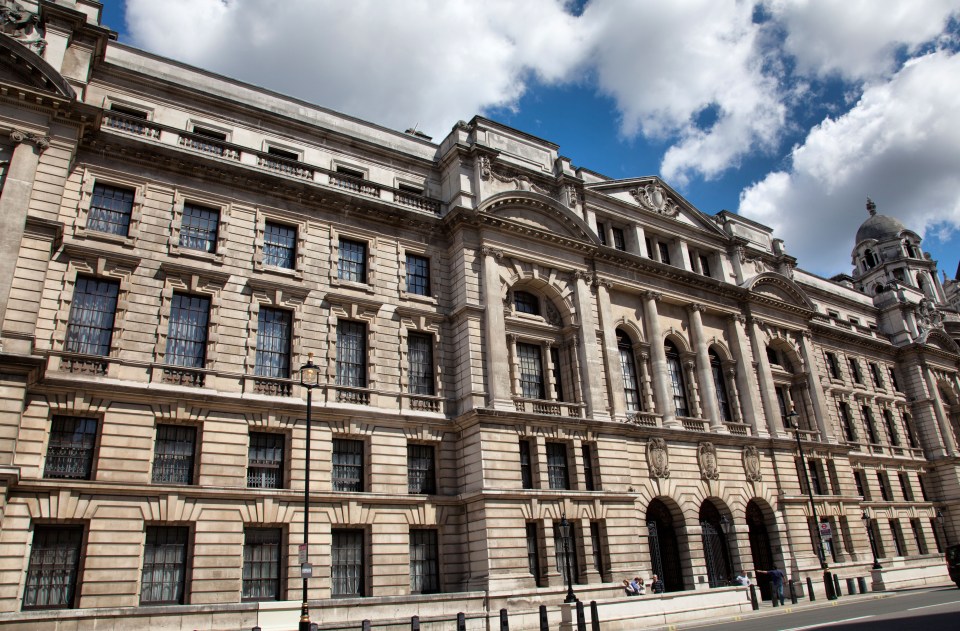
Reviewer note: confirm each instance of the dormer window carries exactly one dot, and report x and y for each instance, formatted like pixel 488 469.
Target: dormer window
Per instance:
pixel 525 302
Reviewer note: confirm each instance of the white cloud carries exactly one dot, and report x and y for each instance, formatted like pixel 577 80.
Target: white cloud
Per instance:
pixel 900 144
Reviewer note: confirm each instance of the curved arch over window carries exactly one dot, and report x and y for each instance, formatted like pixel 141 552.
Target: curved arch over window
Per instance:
pixel 525 302
pixel 664 551
pixel 678 387
pixel 720 385
pixel 628 365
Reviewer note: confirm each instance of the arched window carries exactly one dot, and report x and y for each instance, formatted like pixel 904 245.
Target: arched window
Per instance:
pixel 676 379
pixel 720 385
pixel 525 302
pixel 631 386
pixel 870 258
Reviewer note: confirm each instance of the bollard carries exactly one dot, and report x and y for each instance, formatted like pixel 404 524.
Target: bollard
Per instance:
pixel 504 621
pixel 544 621
pixel 813 596
pixel 851 586
pixel 415 623
pixel 314 626
pixel 793 593
pixel 862 584
pixel 461 622
pixel 753 597
pixel 365 625
pixel 594 616
pixel 836 586
pixel 581 618
pixel 828 585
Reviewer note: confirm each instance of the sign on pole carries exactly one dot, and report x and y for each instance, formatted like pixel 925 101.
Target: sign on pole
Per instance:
pixel 302 553
pixel 306 570
pixel 825 531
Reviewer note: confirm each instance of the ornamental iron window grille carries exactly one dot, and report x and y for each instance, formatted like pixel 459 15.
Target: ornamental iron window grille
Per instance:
pixel 70 448
pixel 92 313
pixel 164 565
pixel 526 466
pixel 628 366
pixel 52 571
pixel 174 454
pixel 351 354
pixel 347 465
pixel 525 302
pixel 531 371
pixel 110 209
pixel 533 553
pixel 420 362
pixel 418 275
pixel 265 460
pixel 352 265
pixel 273 343
pixel 421 469
pixel 198 228
pixel 347 563
pixel 187 337
pixel 676 380
pixel 279 245
pixel 261 564
pixel 424 562
pixel 557 466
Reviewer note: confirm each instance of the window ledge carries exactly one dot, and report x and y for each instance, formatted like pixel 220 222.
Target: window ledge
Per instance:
pixel 213 257
pixel 83 233
pixel 350 284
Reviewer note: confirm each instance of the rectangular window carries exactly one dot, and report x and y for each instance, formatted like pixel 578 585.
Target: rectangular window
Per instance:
pixel 801 475
pixel 279 245
pixel 602 233
pixel 198 230
pixel 936 536
pixel 911 435
pixel 871 426
pixel 173 454
pixel 533 552
pixel 187 336
pixel 531 371
pixel 90 326
pixel 705 265
pixel 346 558
pixel 556 372
pixel 905 487
pixel 648 246
pixel 861 482
pixel 283 153
pixel 664 253
pixel 265 460
pixel 559 556
pixel 922 483
pixel 917 528
pixel 347 465
pixel 898 540
pixel 351 354
pixel 164 565
pixel 884 487
pixel 526 466
pixel 424 562
pixel 352 265
pixel 70 448
pixel 261 564
pixel 891 427
pixel 846 422
pixel 618 241
pixel 420 361
pixel 557 466
pixel 54 564
pixel 588 470
pixel 834 365
pixel 421 469
pixel 855 370
pixel 815 480
pixel 273 343
pixel 110 209
pixel 418 275
pixel 342 170
pixel 893 379
pixel 875 373
pixel 597 542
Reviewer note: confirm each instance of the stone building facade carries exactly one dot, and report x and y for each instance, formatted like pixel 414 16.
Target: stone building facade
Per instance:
pixel 504 340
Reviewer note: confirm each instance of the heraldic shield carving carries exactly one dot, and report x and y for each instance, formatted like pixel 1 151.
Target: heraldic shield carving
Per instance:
pixel 751 463
pixel 658 459
pixel 707 456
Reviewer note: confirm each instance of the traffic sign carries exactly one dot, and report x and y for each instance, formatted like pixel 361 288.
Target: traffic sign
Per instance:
pixel 302 553
pixel 306 570
pixel 825 531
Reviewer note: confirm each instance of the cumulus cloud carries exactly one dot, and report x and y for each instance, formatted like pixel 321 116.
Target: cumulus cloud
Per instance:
pixel 900 144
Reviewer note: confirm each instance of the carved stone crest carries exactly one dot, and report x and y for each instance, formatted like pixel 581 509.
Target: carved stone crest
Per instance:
pixel 653 197
pixel 707 457
pixel 751 463
pixel 658 459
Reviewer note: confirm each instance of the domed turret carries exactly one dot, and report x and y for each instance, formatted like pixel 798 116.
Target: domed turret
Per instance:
pixel 878 227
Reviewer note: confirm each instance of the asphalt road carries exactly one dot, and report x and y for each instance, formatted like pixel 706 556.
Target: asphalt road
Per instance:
pixel 935 609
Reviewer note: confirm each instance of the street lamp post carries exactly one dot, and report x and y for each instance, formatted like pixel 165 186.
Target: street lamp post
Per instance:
pixel 943 530
pixel 873 544
pixel 791 419
pixel 725 525
pixel 309 379
pixel 565 536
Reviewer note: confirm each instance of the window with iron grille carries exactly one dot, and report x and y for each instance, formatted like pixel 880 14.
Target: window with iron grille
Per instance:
pixel 589 472
pixel 834 365
pixel 351 354
pixel 560 553
pixel 54 563
pixel 424 564
pixel 597 542
pixel 531 371
pixel 164 565
pixel 871 426
pixel 526 466
pixel 875 373
pixel 557 466
pixel 918 536
pixel 891 427
pixel 556 372
pixel 198 229
pixel 618 241
pixel 273 343
pixel 846 421
pixel 70 448
pixel 905 487
pixel 418 275
pixel 628 366
pixel 173 454
pixel 110 209
pixel 187 336
pixel 261 564
pixel 884 487
pixel 352 265
pixel 347 465
pixel 279 245
pixel 265 460
pixel 420 359
pixel 421 469
pixel 525 302
pixel 347 562
pixel 676 380
pixel 855 370
pixel 533 552
pixel 90 325
pixel 898 541
pixel 720 385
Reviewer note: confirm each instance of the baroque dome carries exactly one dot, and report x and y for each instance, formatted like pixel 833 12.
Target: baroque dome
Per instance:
pixel 879 227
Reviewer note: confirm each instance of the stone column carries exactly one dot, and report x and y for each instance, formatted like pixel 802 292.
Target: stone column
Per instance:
pixel 693 392
pixel 611 353
pixel 513 359
pixel 14 202
pixel 658 358
pixel 814 387
pixel 749 396
pixel 733 393
pixel 708 389
pixel 767 392
pixel 642 359
pixel 943 420
pixel 498 361
pixel 590 362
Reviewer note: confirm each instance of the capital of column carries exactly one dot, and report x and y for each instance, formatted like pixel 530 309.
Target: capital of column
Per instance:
pixel 602 282
pixel 656 296
pixel 512 338
pixel 696 306
pixel 585 276
pixel 737 317
pixel 40 142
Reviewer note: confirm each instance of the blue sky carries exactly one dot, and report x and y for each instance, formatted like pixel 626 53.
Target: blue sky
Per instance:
pixel 790 112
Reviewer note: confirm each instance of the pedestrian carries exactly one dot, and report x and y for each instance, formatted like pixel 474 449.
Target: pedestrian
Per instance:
pixel 629 589
pixel 776 579
pixel 641 588
pixel 741 580
pixel 656 584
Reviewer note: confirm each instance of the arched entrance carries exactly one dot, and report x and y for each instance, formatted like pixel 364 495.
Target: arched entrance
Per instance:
pixel 760 548
pixel 664 551
pixel 716 551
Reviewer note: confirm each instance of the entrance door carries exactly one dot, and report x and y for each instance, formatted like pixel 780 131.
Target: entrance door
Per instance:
pixel 760 547
pixel 716 551
pixel 664 552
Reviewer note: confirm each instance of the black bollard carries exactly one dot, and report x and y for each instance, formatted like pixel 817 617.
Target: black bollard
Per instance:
pixel 810 593
pixel 504 621
pixel 415 623
pixel 461 622
pixel 793 593
pixel 828 585
pixel 851 586
pixel 836 586
pixel 862 584
pixel 774 596
pixel 753 597
pixel 365 625
pixel 544 620
pixel 581 617
pixel 594 616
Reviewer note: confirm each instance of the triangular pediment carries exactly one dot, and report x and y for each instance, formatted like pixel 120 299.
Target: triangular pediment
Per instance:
pixel 653 195
pixel 539 212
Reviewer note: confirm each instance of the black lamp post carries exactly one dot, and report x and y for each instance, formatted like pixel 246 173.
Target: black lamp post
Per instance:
pixel 943 530
pixel 791 420
pixel 309 379
pixel 873 544
pixel 565 536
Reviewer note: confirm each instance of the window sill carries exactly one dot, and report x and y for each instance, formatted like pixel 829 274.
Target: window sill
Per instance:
pixel 279 271
pixel 212 257
pixel 350 284
pixel 82 232
pixel 430 300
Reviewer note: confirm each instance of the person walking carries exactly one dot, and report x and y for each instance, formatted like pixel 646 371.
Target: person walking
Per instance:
pixel 776 579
